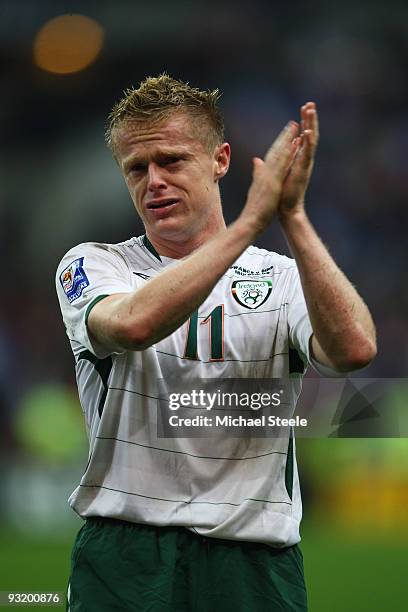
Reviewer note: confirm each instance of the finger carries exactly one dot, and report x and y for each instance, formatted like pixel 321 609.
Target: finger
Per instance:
pixel 316 124
pixel 312 126
pixel 280 152
pixel 303 125
pixel 294 152
pixel 284 139
pixel 295 147
pixel 296 144
pixel 257 164
pixel 303 113
pixel 305 157
pixel 311 119
pixel 303 161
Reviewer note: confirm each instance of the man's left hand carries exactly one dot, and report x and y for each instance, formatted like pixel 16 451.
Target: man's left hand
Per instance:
pixel 300 169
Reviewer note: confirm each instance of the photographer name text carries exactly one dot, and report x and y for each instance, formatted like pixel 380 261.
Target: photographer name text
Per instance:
pixel 239 421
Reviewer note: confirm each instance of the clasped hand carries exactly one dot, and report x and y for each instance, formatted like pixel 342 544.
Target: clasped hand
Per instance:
pixel 280 180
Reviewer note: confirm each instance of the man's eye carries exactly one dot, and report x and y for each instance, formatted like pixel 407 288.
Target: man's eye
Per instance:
pixel 138 168
pixel 169 161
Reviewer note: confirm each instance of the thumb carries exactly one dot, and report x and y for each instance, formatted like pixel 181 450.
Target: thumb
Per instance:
pixel 257 164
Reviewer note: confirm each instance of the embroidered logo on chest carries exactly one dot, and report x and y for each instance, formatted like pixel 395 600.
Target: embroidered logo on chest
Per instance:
pixel 251 293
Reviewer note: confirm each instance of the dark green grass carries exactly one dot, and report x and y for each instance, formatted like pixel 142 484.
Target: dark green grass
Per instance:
pixel 349 575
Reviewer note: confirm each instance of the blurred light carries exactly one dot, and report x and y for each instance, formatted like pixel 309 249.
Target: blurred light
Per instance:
pixel 49 424
pixel 67 44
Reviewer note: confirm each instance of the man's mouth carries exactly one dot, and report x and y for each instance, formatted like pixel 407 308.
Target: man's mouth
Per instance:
pixel 156 204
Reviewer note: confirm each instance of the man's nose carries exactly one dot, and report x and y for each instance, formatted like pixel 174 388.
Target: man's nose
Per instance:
pixel 155 177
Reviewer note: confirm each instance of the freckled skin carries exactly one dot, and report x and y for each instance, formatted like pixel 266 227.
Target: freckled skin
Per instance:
pixel 166 160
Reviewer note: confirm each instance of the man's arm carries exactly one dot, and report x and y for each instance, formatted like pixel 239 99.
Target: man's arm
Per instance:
pixel 135 321
pixel 344 335
pixel 343 330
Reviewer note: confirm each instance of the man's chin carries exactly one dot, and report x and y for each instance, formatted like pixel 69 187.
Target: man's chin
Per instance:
pixel 174 240
pixel 170 229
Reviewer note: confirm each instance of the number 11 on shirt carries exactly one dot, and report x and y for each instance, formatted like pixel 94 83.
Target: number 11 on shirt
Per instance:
pixel 215 322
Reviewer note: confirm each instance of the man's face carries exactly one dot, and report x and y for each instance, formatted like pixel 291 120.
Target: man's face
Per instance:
pixel 172 177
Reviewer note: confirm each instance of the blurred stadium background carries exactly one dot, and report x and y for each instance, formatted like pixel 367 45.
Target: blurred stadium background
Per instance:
pixel 59 187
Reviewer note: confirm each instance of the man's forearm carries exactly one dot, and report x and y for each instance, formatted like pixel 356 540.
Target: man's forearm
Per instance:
pixel 341 321
pixel 139 319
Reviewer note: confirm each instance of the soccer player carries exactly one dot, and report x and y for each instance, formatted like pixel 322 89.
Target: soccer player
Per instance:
pixel 179 524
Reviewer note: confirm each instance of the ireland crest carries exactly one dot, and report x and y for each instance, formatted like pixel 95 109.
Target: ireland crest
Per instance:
pixel 251 293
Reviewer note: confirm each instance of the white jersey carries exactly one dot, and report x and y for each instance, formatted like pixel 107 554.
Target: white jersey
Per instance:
pixel 239 488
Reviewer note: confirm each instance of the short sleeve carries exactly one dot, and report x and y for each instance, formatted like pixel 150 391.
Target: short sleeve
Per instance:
pixel 86 274
pixel 300 328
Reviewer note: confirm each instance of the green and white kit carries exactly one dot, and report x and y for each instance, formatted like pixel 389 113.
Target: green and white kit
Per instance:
pixel 254 324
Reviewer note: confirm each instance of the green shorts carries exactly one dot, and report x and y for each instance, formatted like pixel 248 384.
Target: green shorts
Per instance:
pixel 118 565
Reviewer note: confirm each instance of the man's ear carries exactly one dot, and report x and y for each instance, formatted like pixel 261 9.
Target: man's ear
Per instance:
pixel 222 156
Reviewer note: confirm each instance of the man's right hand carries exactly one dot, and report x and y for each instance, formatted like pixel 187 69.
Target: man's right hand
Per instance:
pixel 268 177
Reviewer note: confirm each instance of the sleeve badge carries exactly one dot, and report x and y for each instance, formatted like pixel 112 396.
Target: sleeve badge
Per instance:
pixel 74 280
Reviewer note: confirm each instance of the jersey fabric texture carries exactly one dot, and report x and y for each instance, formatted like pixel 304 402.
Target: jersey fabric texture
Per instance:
pixel 233 488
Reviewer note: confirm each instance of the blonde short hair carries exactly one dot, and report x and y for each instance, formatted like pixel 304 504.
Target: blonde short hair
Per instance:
pixel 158 98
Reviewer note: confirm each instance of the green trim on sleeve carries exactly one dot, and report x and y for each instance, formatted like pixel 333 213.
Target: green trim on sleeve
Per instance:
pixel 296 364
pixel 289 466
pixel 92 304
pixel 103 367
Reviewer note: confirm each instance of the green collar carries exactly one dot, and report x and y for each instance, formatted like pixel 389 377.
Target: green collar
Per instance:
pixel 150 247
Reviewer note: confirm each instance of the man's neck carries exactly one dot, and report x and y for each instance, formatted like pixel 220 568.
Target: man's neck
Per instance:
pixel 179 248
